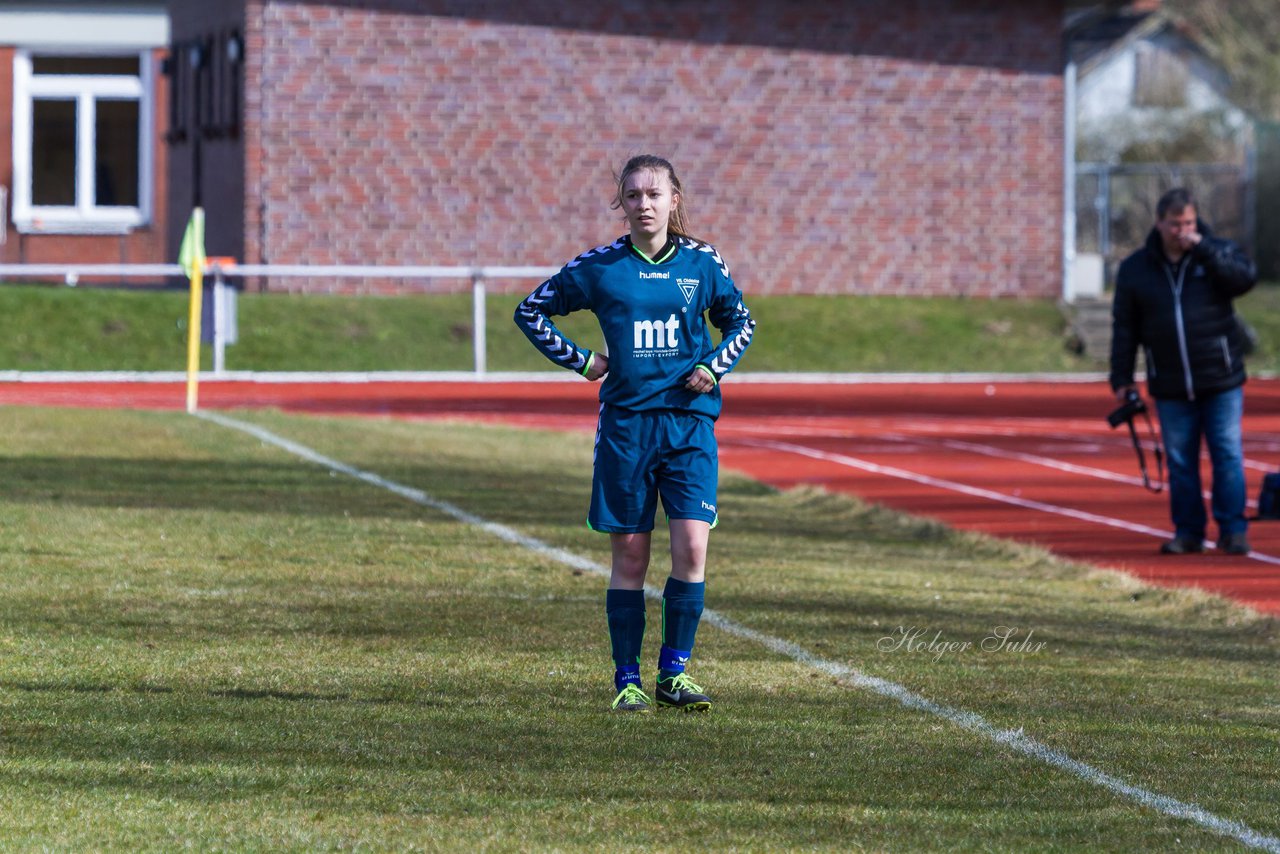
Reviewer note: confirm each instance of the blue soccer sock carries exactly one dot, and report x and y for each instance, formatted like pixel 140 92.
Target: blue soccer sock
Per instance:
pixel 625 611
pixel 681 611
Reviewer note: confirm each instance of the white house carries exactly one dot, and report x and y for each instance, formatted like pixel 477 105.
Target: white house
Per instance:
pixel 1143 78
pixel 1152 109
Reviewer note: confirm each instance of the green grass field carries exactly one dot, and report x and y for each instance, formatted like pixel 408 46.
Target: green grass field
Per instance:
pixel 86 329
pixel 209 643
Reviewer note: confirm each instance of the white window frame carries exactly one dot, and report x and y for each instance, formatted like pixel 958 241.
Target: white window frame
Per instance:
pixel 85 216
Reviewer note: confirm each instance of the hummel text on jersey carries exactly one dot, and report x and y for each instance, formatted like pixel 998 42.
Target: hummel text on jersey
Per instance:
pixel 656 334
pixel 656 275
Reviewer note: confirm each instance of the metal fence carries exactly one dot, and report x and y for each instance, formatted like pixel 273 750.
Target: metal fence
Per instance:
pixel 1115 203
pixel 224 296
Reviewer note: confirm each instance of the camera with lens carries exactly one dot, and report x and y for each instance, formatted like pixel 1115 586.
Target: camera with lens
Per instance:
pixel 1132 406
pixel 1127 413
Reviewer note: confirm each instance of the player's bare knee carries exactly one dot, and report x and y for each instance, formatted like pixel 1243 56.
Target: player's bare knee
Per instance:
pixel 630 562
pixel 689 561
pixel 630 572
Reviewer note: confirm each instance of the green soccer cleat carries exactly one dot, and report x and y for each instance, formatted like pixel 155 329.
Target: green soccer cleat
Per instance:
pixel 631 699
pixel 679 692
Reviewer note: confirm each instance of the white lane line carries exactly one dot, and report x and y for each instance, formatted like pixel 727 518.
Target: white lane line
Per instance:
pixel 1119 440
pixel 959 445
pixel 953 486
pixel 1071 468
pixel 1015 740
pixel 1001 453
pixel 1037 459
pixel 1088 439
pixel 977 491
pixel 1252 443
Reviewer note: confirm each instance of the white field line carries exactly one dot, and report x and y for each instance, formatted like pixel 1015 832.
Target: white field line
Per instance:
pixel 1015 740
pixel 977 491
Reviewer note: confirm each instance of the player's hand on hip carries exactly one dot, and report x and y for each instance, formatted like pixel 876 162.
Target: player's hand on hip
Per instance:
pixel 599 367
pixel 699 381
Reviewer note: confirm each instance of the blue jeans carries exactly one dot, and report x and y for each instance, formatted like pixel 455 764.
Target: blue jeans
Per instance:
pixel 1217 419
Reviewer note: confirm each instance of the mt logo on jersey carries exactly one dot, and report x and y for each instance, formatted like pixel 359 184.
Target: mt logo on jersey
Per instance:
pixel 656 337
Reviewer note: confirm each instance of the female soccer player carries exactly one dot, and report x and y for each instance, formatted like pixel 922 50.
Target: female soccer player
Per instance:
pixel 652 291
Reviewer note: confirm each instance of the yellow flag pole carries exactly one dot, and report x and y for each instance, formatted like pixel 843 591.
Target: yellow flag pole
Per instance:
pixel 193 337
pixel 191 257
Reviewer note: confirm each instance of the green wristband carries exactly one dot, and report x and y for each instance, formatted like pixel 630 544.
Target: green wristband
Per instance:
pixel 708 372
pixel 591 360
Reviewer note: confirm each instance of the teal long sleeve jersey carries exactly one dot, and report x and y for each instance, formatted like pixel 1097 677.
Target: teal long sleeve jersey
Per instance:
pixel 653 316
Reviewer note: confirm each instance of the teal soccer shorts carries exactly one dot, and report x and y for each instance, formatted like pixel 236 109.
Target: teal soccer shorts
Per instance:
pixel 641 456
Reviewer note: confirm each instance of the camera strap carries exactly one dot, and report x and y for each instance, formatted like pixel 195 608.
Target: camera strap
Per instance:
pixel 1142 457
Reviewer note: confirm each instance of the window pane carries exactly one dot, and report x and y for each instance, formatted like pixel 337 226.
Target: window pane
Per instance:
pixel 53 152
pixel 85 65
pixel 116 148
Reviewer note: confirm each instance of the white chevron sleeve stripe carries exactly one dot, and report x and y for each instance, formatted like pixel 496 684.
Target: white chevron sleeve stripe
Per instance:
pixel 724 361
pixel 544 333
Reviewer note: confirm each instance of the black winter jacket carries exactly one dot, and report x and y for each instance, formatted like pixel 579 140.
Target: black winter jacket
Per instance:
pixel 1181 314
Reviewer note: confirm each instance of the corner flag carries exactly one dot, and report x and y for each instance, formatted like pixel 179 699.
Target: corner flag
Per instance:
pixel 191 253
pixel 191 256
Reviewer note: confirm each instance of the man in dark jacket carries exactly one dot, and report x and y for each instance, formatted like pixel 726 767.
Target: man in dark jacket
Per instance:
pixel 1173 298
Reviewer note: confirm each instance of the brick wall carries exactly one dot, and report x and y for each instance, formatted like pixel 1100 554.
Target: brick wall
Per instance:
pixel 905 148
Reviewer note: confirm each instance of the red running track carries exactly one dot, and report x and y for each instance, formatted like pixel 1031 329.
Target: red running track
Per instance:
pixel 1034 462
